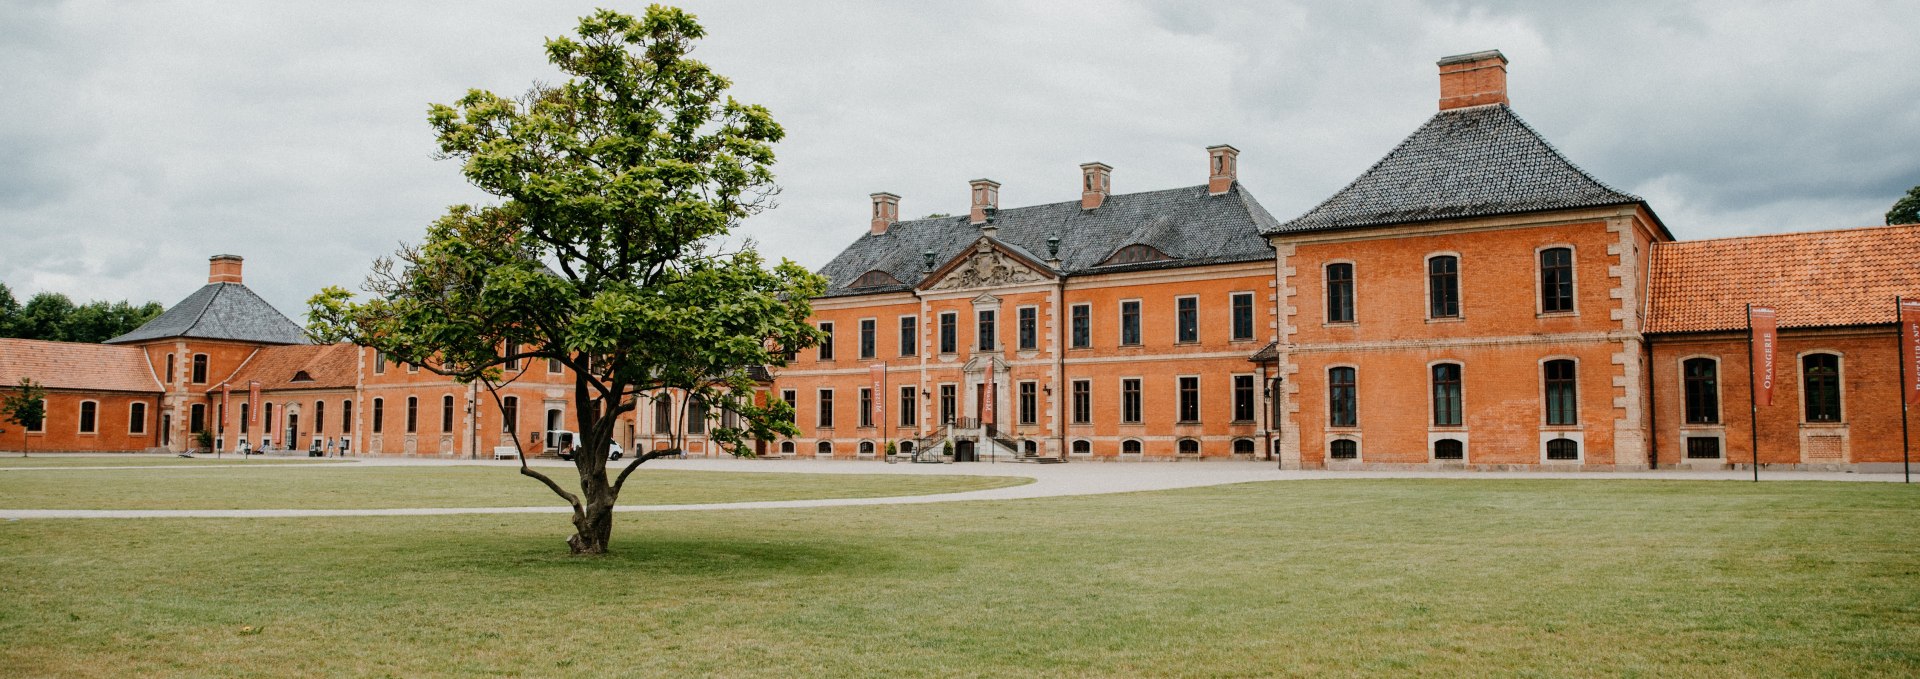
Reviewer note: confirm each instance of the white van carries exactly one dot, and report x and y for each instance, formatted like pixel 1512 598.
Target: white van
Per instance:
pixel 562 443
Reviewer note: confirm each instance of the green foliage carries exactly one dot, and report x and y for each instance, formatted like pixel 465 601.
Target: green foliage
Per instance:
pixel 25 406
pixel 1906 210
pixel 204 439
pixel 604 252
pixel 54 317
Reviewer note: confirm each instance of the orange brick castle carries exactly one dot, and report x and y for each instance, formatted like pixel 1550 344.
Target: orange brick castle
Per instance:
pixel 1473 299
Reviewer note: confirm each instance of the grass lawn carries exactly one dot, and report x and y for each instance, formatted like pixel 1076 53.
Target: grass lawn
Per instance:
pixel 156 460
pixel 352 487
pixel 1343 577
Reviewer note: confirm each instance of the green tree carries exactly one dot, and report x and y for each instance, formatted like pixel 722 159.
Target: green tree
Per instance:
pixel 44 317
pixel 25 407
pixel 9 308
pixel 1906 210
pixel 604 253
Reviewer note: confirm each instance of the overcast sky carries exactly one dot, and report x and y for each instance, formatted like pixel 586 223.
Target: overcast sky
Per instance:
pixel 137 139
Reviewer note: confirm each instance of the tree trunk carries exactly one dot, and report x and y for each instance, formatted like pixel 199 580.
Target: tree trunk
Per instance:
pixel 593 523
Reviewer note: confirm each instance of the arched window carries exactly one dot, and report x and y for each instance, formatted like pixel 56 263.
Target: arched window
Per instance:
pixel 663 414
pixel 1135 254
pixel 1443 287
pixel 379 413
pixel 824 449
pixel 1344 449
pixel 89 417
pixel 905 448
pixel 786 447
pixel 1556 280
pixel 1820 382
pixel 1083 447
pixel 1340 293
pixel 1563 407
pixel 446 414
pixel 1189 446
pixel 1029 447
pixel 137 418
pixel 1700 379
pixel 199 368
pixel 413 414
pixel 1243 446
pixel 1449 449
pixel 169 370
pixel 1446 395
pixel 1563 449
pixel 697 415
pixel 319 417
pixel 1130 447
pixel 866 449
pixel 1342 398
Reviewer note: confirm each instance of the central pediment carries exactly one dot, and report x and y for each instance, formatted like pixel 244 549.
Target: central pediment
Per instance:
pixel 988 264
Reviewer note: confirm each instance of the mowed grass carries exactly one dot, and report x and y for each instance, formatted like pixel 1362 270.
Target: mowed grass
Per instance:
pixel 386 487
pixel 1436 578
pixel 155 460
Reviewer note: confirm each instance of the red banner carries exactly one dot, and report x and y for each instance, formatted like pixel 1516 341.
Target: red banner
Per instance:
pixel 877 374
pixel 1910 347
pixel 987 399
pixel 253 403
pixel 1763 328
pixel 226 403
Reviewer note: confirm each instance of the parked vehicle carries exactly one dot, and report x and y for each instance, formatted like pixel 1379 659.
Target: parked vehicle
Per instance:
pixel 563 443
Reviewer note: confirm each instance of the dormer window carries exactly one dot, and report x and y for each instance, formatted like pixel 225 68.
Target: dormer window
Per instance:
pixel 302 376
pixel 1135 254
pixel 875 278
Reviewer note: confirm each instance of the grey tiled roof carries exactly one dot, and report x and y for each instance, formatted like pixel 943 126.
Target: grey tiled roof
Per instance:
pixel 228 311
pixel 1465 162
pixel 1185 223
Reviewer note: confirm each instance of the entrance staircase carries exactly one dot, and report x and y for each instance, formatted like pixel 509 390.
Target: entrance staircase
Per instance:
pixel 989 444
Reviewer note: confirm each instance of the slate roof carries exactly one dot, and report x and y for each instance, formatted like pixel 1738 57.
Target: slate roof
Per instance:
pixel 69 365
pixel 1467 162
pixel 1816 279
pixel 1186 223
pixel 222 311
pixel 326 366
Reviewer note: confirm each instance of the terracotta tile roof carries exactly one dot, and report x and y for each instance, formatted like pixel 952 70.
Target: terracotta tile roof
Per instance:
pixel 1817 279
pixel 299 366
pixel 69 365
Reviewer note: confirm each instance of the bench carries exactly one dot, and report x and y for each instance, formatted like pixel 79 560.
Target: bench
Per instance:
pixel 505 452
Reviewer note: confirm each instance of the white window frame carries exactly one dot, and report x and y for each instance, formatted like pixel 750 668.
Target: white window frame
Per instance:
pixel 1426 285
pixel 1539 286
pixel 1070 310
pixel 1253 310
pixel 1800 387
pixel 1120 322
pixel 1328 376
pixel 1326 290
pixel 1176 320
pixel 1541 370
pixel 79 419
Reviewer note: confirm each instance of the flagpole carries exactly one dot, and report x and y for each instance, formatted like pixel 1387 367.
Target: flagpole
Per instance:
pixel 1906 445
pixel 1753 403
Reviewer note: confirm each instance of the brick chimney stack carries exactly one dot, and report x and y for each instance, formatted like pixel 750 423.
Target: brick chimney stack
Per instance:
pixel 886 211
pixel 1476 79
pixel 1096 183
pixel 986 200
pixel 223 269
pixel 1223 163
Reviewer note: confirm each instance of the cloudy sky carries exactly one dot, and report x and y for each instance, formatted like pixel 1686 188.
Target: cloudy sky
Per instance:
pixel 137 139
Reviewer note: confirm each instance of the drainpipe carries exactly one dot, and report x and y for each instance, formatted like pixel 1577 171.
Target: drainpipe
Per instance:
pixel 1653 412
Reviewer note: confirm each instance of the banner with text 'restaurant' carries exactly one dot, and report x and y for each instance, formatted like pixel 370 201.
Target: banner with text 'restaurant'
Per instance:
pixel 1763 325
pixel 1910 335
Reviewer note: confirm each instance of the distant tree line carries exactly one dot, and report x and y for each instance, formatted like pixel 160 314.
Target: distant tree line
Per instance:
pixel 53 316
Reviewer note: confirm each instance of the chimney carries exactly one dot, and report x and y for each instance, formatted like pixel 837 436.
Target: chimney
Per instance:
pixel 1475 79
pixel 1223 168
pixel 986 199
pixel 886 211
pixel 223 269
pixel 1096 181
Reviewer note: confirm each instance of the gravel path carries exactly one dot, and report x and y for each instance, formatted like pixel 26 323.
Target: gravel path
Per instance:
pixel 1082 478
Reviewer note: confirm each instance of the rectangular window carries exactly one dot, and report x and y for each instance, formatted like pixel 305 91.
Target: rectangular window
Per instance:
pixel 1130 401
pixel 1701 382
pixel 696 415
pixel 1446 395
pixel 413 414
pixel 199 368
pixel 949 332
pixel 1029 403
pixel 1343 398
pixel 1703 447
pixel 169 370
pixel 89 417
pixel 510 414
pixel 319 417
pixel 379 363
pixel 1186 316
pixel 1562 406
pixel 1243 398
pixel 346 417
pixel 446 414
pixel 1189 399
pixel 793 401
pixel 1443 287
pixel 947 399
pixel 1130 323
pixel 867 339
pixel 513 362
pixel 988 336
pixel 1556 280
pixel 909 335
pixel 197 419
pixel 909 406
pixel 866 407
pixel 379 413
pixel 1083 401
pixel 137 418
pixel 244 411
pixel 1340 293
pixel 826 341
pixel 1029 320
pixel 825 416
pixel 1820 383
pixel 1082 326
pixel 554 367
pixel 1243 315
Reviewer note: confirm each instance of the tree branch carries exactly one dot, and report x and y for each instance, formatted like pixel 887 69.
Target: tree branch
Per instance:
pixel 637 461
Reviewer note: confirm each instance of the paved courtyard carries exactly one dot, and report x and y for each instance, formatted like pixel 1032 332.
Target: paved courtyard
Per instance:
pixel 1082 478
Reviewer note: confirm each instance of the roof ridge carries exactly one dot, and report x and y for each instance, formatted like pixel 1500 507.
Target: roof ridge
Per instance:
pixel 1555 150
pixel 215 297
pixel 1784 234
pixel 1036 206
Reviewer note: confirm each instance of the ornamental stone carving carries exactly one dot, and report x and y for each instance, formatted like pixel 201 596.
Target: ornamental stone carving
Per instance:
pixel 988 268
